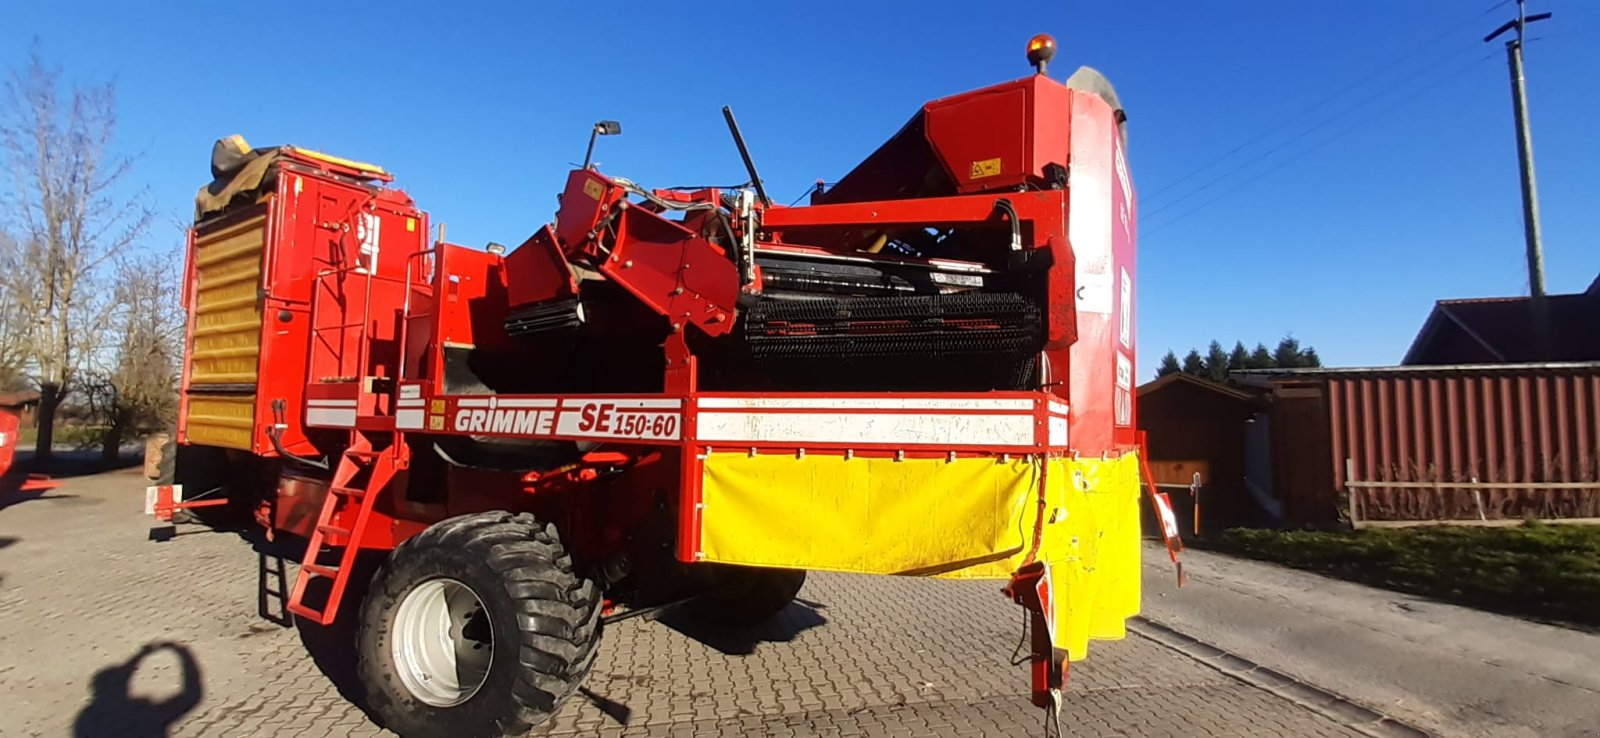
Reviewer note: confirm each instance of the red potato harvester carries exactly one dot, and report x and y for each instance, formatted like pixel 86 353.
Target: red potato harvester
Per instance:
pixel 675 397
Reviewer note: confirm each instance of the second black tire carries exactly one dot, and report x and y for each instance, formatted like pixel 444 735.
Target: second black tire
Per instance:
pixel 748 595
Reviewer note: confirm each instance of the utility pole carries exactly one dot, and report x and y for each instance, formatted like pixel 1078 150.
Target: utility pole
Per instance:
pixel 1530 188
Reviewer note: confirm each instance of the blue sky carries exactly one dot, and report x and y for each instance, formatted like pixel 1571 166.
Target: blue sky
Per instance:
pixel 1386 177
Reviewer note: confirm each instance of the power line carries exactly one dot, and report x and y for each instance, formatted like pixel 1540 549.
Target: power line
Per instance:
pixel 1298 137
pixel 1559 35
pixel 1302 153
pixel 1323 101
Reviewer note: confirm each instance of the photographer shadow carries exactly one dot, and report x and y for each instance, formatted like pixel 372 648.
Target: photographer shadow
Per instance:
pixel 114 710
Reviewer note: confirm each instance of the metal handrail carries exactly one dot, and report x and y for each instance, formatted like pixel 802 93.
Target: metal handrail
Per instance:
pixel 406 316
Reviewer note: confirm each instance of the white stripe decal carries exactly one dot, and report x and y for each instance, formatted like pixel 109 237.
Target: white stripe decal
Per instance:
pixel 524 403
pixel 331 417
pixel 572 402
pixel 410 403
pixel 866 403
pixel 867 428
pixel 409 419
pixel 1058 408
pixel 314 402
pixel 473 402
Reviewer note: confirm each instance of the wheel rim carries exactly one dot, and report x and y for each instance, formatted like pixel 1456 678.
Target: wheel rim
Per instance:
pixel 443 644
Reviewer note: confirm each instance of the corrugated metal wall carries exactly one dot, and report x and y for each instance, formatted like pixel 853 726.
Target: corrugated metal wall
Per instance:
pixel 1525 425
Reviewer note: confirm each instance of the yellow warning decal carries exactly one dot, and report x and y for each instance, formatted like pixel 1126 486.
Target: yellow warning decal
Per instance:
pixel 594 189
pixel 985 168
pixel 411 225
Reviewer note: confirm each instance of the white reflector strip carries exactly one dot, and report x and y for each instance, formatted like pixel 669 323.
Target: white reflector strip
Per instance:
pixel 867 428
pixel 313 402
pixel 150 497
pixel 331 417
pixel 867 403
pixel 409 419
pixel 572 402
pixel 1058 430
pixel 523 403
pixel 410 403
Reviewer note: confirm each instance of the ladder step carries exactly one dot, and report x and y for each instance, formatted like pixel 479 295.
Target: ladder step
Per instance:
pixel 337 505
pixel 319 570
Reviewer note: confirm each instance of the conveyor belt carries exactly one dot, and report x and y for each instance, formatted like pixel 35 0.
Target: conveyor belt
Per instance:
pixel 968 324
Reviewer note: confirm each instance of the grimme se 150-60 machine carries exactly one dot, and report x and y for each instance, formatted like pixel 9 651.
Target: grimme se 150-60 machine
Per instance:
pixel 675 397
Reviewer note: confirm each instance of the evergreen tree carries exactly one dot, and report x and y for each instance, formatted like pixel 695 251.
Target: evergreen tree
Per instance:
pixel 1261 358
pixel 1240 358
pixel 1216 362
pixel 1169 365
pixel 1287 355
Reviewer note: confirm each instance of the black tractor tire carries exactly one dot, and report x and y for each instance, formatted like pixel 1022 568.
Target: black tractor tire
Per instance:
pixel 167 463
pixel 167 474
pixel 745 596
pixel 201 469
pixel 541 616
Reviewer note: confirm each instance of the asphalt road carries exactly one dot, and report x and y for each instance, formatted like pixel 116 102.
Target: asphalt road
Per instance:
pixel 1451 670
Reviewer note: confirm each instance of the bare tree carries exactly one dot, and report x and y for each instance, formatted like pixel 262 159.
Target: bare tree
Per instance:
pixel 13 323
pixel 134 387
pixel 69 210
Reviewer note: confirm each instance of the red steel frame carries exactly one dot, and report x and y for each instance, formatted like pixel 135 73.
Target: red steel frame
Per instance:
pixel 674 420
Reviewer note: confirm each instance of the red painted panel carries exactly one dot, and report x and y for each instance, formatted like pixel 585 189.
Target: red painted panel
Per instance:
pixel 1100 227
pixel 8 440
pixel 541 270
pixel 982 137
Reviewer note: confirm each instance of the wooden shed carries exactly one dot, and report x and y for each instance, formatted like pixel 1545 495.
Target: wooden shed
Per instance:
pixel 1194 425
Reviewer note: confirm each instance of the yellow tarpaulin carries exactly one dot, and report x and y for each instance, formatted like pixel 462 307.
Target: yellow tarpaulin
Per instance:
pixel 970 518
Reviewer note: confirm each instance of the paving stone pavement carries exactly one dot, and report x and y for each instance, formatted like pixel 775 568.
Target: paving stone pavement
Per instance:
pixel 104 631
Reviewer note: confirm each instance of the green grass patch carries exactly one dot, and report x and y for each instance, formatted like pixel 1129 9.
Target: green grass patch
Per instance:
pixel 80 436
pixel 1546 571
pixel 67 436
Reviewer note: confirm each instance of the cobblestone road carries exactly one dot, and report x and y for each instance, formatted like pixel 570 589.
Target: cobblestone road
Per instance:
pixel 104 631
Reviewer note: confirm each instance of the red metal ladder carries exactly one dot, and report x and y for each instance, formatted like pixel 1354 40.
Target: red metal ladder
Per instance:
pixel 343 491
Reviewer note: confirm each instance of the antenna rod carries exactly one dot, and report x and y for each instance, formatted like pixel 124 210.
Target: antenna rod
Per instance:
pixel 744 153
